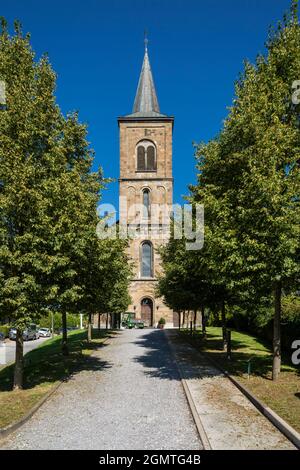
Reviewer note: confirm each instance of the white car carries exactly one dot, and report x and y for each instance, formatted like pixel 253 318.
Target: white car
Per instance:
pixel 44 332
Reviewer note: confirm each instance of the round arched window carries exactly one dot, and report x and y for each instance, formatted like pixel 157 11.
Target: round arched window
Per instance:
pixel 146 260
pixel 146 202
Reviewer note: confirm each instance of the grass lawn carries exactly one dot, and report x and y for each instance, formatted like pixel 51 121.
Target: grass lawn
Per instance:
pixel 283 396
pixel 44 367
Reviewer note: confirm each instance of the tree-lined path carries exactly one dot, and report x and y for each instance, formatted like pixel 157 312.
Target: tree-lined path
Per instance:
pixel 132 399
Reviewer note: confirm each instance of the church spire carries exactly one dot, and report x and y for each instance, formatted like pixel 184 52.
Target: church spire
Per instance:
pixel 146 102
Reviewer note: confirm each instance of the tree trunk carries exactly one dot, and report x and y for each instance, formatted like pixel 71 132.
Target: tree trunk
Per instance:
pixel 276 332
pixel 179 320
pixel 203 321
pixel 99 321
pixel 107 321
pixel 224 332
pixel 89 330
pixel 19 362
pixel 64 347
pixel 195 320
pixel 183 319
pixel 228 338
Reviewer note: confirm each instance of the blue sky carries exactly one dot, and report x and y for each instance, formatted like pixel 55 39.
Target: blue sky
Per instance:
pixel 196 49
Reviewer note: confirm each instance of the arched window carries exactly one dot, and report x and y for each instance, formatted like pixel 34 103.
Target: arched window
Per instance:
pixel 146 203
pixel 141 161
pixel 146 260
pixel 151 158
pixel 146 156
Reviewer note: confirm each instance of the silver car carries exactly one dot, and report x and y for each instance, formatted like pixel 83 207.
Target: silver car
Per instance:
pixel 28 334
pixel 44 332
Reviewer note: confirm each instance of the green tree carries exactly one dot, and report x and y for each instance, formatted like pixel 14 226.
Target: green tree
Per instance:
pixel 48 194
pixel 249 178
pixel 105 275
pixel 28 133
pixel 186 282
pixel 74 220
pixel 114 287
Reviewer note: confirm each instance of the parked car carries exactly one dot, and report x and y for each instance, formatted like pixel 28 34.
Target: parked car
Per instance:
pixel 28 334
pixel 2 337
pixel 35 329
pixel 12 333
pixel 44 332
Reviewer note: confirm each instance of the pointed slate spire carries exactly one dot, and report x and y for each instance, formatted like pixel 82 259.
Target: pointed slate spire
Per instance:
pixel 146 102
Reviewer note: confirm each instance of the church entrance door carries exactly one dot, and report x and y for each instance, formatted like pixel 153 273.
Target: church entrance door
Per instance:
pixel 147 311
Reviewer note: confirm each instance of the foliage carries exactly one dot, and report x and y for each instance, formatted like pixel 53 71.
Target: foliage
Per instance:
pixel 248 181
pixel 291 308
pixel 45 321
pixel 50 256
pixel 5 330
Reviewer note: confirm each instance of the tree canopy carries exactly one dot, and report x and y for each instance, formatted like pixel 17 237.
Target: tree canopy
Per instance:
pixel 50 256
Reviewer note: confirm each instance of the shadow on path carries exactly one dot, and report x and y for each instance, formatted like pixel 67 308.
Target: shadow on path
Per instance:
pixel 159 360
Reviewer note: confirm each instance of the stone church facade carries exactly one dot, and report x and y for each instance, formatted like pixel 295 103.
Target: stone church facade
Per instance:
pixel 146 187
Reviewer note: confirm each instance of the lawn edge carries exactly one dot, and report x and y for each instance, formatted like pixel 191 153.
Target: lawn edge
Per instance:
pixel 10 428
pixel 286 429
pixel 4 432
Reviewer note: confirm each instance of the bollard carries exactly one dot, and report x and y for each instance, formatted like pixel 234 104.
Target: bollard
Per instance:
pixel 249 367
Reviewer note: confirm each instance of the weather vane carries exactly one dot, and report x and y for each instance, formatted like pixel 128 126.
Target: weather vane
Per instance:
pixel 146 39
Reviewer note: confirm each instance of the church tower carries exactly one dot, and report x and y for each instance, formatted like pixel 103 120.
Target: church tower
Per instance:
pixel 145 184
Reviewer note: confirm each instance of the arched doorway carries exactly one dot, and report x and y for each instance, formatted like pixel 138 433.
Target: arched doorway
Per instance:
pixel 147 311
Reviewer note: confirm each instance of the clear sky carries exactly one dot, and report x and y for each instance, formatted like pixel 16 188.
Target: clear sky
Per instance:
pixel 196 49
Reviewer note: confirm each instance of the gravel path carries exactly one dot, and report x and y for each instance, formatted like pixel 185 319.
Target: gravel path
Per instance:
pixel 132 398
